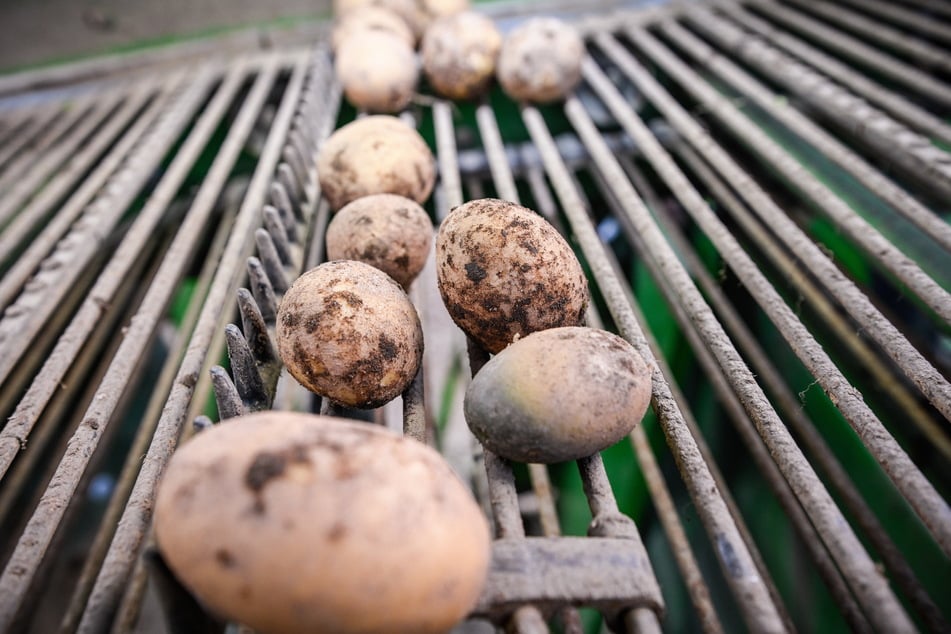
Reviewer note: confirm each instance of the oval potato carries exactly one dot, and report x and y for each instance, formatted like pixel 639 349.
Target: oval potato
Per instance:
pixel 370 18
pixel 504 272
pixel 294 523
pixel 348 332
pixel 559 394
pixel 540 61
pixel 378 154
pixel 378 71
pixel 459 54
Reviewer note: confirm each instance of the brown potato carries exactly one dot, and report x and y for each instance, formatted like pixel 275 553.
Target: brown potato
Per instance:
pixel 389 232
pixel 504 272
pixel 459 54
pixel 294 523
pixel 540 61
pixel 375 155
pixel 378 71
pixel 370 18
pixel 417 13
pixel 348 332
pixel 559 394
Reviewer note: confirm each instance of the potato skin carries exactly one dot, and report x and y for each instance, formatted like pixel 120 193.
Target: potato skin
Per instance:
pixel 375 155
pixel 370 18
pixel 348 332
pixel 378 71
pixel 417 13
pixel 504 272
pixel 386 231
pixel 294 523
pixel 459 54
pixel 559 394
pixel 540 61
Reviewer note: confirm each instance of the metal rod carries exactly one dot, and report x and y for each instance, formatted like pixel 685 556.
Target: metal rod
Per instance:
pixel 414 410
pixel 495 153
pixel 247 378
pixel 25 134
pixel 832 148
pixel 854 49
pixel 270 262
pixel 924 25
pixel 446 150
pixel 895 104
pixel 131 531
pixel 740 572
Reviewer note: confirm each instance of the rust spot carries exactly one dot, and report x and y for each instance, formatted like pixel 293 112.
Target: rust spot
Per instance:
pixel 189 380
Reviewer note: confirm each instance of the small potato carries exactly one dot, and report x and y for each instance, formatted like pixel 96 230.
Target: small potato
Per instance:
pixel 348 332
pixel 378 71
pixel 373 19
pixel 375 155
pixel 559 394
pixel 386 231
pixel 540 61
pixel 459 54
pixel 291 523
pixel 504 272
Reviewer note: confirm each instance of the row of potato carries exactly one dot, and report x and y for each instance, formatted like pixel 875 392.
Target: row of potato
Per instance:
pixel 294 523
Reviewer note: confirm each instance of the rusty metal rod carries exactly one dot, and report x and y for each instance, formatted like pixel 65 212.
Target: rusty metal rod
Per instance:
pixel 895 104
pixel 896 197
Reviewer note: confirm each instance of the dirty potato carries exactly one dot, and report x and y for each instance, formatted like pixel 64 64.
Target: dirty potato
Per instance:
pixel 418 14
pixel 378 71
pixel 504 272
pixel 540 61
pixel 373 19
pixel 559 394
pixel 386 231
pixel 459 54
pixel 348 332
pixel 292 523
pixel 375 155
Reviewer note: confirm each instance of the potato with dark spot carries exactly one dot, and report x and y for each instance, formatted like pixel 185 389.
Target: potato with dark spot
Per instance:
pixel 291 523
pixel 504 272
pixel 540 61
pixel 559 394
pixel 378 71
pixel 459 54
pixel 375 155
pixel 348 332
pixel 386 231
pixel 373 19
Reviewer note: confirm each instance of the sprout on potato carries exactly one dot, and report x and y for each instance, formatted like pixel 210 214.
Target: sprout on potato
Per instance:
pixel 294 523
pixel 459 54
pixel 504 272
pixel 348 332
pixel 557 395
pixel 540 61
pixel 386 231
pixel 375 155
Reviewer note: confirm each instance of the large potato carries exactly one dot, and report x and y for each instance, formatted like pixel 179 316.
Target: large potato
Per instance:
pixel 386 231
pixel 504 272
pixel 557 395
pixel 348 332
pixel 375 155
pixel 459 54
pixel 370 18
pixel 378 71
pixel 293 523
pixel 540 61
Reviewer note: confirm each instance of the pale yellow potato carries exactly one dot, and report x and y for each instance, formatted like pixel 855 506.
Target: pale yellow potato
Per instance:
pixel 459 53
pixel 504 272
pixel 370 18
pixel 386 231
pixel 540 61
pixel 375 155
pixel 378 71
pixel 348 332
pixel 559 394
pixel 292 523
pixel 418 14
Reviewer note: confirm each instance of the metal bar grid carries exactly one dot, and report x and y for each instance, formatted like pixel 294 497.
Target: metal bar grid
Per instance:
pixel 110 592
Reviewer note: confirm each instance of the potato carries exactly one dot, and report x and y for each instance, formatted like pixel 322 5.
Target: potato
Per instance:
pixel 559 394
pixel 386 231
pixel 375 155
pixel 432 10
pixel 540 61
pixel 459 54
pixel 373 19
pixel 504 272
pixel 293 523
pixel 417 13
pixel 348 332
pixel 378 71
